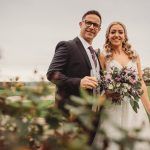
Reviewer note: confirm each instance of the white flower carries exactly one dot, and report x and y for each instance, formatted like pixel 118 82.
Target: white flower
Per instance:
pixel 125 90
pixel 125 84
pixel 118 84
pixel 4 119
pixel 110 87
pixel 41 121
pixel 24 120
pixel 129 87
pixel 11 128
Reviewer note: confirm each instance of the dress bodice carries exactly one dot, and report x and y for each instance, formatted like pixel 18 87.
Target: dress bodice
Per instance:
pixel 114 63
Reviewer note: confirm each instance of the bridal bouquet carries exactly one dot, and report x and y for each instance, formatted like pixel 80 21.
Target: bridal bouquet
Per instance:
pixel 123 85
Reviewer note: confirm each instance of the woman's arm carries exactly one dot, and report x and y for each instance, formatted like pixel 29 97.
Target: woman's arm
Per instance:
pixel 144 98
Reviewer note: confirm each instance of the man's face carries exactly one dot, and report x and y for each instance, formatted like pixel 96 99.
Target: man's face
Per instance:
pixel 90 27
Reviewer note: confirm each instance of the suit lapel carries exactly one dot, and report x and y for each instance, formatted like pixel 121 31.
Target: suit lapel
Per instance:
pixel 83 51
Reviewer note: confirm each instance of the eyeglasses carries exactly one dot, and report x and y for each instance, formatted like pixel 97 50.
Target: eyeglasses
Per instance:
pixel 89 23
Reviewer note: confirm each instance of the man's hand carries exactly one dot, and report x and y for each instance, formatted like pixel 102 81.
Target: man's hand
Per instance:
pixel 88 82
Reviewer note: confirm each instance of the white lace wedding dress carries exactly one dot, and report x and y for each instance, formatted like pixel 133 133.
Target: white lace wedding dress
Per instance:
pixel 124 116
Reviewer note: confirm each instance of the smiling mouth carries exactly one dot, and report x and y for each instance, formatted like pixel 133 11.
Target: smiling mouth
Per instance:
pixel 116 40
pixel 89 32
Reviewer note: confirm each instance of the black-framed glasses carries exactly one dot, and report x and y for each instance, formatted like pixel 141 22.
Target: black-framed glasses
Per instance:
pixel 89 23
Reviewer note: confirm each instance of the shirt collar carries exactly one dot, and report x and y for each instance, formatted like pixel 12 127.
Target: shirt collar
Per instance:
pixel 85 43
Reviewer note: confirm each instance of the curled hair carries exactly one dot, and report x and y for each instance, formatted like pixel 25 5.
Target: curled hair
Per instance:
pixel 126 47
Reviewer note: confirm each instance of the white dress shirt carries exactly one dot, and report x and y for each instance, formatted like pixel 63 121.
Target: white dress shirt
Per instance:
pixel 95 70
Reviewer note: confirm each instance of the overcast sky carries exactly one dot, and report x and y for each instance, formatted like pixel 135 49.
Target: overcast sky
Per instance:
pixel 30 29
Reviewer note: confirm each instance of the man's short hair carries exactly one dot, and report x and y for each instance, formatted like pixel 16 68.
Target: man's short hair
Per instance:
pixel 92 12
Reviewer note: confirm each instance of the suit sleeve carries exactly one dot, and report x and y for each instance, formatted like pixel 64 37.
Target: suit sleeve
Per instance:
pixel 56 71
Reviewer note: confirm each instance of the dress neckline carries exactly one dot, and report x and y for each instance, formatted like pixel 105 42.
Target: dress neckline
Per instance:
pixel 121 64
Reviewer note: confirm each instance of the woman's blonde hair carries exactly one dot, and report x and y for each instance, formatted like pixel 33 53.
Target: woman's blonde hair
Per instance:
pixel 126 47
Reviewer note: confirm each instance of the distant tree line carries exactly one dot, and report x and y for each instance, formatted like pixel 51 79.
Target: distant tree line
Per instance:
pixel 146 75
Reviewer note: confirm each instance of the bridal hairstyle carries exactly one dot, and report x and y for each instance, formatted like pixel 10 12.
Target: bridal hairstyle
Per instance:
pixel 126 47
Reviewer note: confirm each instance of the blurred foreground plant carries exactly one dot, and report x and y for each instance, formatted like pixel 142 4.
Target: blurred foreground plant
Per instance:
pixel 29 120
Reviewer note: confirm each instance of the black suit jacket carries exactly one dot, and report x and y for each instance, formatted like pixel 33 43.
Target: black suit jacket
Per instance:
pixel 69 65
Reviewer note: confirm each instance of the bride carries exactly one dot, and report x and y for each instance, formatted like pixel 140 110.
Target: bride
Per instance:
pixel 118 53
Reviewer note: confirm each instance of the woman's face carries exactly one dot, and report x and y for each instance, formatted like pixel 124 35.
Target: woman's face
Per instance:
pixel 116 35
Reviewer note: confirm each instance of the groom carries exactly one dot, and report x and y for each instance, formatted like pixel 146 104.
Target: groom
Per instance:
pixel 73 61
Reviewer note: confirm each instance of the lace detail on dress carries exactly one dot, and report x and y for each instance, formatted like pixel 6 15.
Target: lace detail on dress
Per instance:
pixel 115 63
